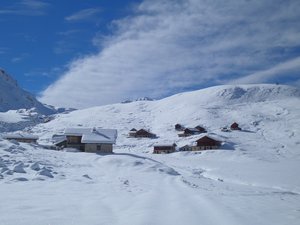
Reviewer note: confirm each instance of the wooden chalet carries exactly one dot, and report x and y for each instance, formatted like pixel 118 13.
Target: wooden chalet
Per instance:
pixel 21 137
pixel 235 126
pixel 90 139
pixel 179 127
pixel 164 149
pixel 142 133
pixel 206 142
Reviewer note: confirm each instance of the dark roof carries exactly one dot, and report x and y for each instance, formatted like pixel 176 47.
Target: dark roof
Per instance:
pixel 143 131
pixel 191 129
pixel 133 129
pixel 235 124
pixel 200 128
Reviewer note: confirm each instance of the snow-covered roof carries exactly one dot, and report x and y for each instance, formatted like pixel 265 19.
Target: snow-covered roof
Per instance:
pixel 93 135
pixel 20 136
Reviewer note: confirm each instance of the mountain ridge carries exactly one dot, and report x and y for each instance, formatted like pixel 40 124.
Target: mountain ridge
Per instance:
pixel 13 97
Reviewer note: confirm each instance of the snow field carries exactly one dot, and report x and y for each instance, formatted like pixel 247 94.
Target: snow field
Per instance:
pixel 252 179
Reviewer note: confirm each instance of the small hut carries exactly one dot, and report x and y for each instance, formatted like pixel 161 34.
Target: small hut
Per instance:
pixel 235 126
pixel 164 149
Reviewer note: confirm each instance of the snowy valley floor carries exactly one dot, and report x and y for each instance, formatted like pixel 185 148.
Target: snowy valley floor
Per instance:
pixel 211 187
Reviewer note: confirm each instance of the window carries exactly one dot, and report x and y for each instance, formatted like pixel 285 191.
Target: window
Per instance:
pixel 98 147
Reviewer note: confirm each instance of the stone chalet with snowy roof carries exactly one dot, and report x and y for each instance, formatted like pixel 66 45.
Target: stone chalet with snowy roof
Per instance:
pixel 91 139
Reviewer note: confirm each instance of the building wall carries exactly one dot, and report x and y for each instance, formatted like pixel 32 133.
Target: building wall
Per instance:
pixel 197 148
pixel 101 148
pixel 74 139
pixel 186 148
pixel 77 146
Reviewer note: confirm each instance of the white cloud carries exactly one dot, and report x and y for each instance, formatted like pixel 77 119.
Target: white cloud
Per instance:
pixel 83 15
pixel 169 46
pixel 26 8
pixel 290 69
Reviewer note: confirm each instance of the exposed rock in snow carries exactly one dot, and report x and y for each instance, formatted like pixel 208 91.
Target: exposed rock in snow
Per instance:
pixel 20 179
pixel 19 168
pixel 87 176
pixel 45 172
pixel 35 166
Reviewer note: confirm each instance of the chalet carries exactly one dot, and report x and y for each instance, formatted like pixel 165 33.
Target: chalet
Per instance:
pixel 142 133
pixel 132 132
pixel 21 137
pixel 179 127
pixel 164 149
pixel 235 126
pixel 206 142
pixel 188 132
pixel 91 139
pixel 201 129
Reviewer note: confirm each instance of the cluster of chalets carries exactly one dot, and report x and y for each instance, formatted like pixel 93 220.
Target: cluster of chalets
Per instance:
pixel 100 140
pixel 204 143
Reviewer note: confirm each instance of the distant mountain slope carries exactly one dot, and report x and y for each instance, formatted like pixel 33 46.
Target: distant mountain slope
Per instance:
pixel 13 97
pixel 266 111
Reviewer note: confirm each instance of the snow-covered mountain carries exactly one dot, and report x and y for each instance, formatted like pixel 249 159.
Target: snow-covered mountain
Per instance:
pixel 12 97
pixel 212 107
pixel 252 179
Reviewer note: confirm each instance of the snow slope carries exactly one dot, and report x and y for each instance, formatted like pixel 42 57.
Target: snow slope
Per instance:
pixel 252 179
pixel 12 97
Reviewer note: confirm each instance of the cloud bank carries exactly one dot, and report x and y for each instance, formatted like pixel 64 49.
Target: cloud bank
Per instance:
pixel 167 46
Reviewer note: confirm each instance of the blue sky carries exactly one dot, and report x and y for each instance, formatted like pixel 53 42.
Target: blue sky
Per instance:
pixel 85 53
pixel 39 38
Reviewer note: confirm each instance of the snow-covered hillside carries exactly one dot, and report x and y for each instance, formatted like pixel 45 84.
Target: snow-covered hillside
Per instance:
pixel 12 97
pixel 252 179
